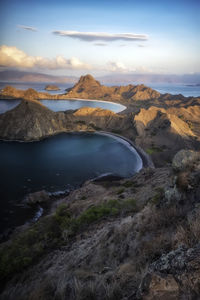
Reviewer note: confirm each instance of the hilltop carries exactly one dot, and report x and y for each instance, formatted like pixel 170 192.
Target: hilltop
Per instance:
pixel 89 88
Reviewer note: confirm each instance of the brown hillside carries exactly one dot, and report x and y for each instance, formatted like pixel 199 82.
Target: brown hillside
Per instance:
pixel 89 88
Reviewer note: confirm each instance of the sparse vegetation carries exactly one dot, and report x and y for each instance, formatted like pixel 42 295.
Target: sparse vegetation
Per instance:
pixel 117 131
pixel 120 191
pixel 158 196
pixel 80 122
pixel 49 233
pixel 188 233
pixel 153 150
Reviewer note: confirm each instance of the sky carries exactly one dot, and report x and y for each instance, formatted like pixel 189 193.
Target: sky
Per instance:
pixel 100 37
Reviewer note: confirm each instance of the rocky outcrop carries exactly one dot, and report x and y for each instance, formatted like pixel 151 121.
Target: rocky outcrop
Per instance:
pixel 175 275
pixel 37 197
pixel 184 159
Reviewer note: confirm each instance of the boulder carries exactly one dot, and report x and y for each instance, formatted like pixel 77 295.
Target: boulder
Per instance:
pixel 37 197
pixel 173 275
pixel 184 158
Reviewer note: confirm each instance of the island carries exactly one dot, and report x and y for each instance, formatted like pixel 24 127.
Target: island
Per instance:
pixel 52 87
pixel 129 238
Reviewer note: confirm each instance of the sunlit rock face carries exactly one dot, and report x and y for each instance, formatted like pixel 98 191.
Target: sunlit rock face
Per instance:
pixel 88 87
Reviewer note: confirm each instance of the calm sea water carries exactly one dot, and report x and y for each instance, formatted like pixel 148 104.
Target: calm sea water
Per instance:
pixel 62 105
pixel 160 87
pixel 174 89
pixel 40 87
pixel 54 164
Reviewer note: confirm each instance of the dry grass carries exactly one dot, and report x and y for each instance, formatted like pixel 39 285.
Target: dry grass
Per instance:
pixel 189 233
pixel 183 180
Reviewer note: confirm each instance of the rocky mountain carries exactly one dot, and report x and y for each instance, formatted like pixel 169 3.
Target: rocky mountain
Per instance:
pixel 89 88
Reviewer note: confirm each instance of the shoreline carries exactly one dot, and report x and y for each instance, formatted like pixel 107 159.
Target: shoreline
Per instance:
pixel 146 159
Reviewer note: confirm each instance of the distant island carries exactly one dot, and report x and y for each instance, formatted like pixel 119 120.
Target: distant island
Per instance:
pixel 52 87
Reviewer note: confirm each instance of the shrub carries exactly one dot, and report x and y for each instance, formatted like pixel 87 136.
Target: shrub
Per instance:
pixel 153 150
pixel 158 196
pixel 120 191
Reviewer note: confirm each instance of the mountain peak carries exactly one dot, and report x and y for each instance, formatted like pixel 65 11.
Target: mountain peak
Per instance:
pixel 88 79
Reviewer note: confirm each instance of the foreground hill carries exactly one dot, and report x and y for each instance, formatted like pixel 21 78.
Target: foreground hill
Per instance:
pixel 136 238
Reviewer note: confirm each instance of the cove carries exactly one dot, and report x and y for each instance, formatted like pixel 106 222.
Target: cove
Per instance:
pixel 55 164
pixel 62 105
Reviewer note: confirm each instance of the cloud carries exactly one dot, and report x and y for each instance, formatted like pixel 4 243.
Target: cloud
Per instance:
pixel 117 67
pixel 101 36
pixel 30 28
pixel 101 44
pixel 141 46
pixel 14 57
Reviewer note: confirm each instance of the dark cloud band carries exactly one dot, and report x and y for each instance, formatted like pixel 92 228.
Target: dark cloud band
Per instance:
pixel 100 36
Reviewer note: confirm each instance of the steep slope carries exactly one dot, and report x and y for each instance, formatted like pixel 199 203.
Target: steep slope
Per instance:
pixel 136 238
pixel 162 132
pixel 29 120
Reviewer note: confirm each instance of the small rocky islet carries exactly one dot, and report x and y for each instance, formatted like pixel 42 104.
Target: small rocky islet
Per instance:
pixel 52 87
pixel 135 238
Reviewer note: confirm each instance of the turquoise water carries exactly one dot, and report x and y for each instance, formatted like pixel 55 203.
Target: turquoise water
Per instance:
pixel 57 163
